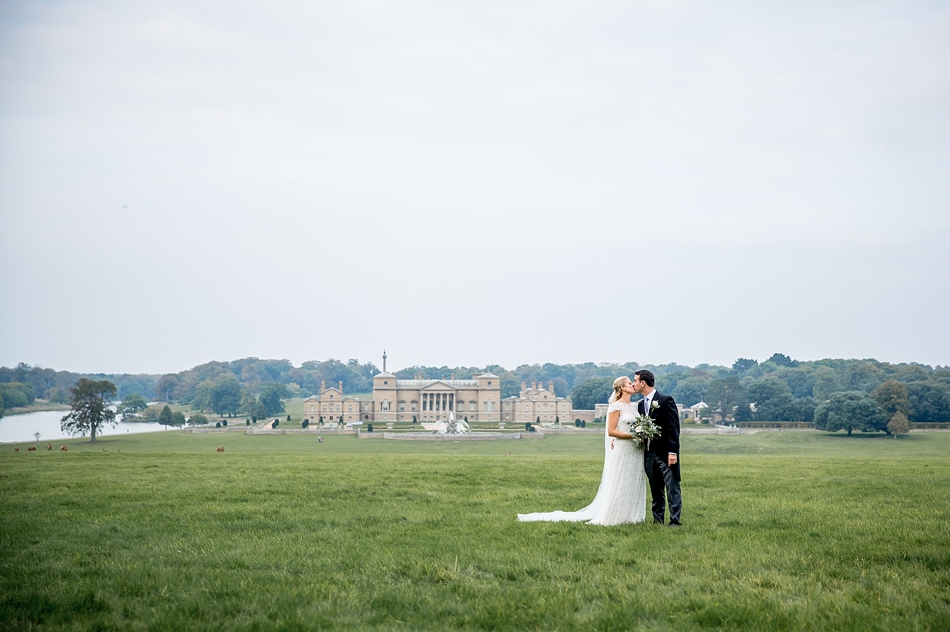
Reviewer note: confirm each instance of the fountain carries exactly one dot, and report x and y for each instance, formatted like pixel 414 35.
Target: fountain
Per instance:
pixel 450 427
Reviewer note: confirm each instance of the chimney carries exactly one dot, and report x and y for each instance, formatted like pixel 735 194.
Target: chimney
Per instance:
pixel 323 385
pixel 534 386
pixel 551 386
pixel 341 386
pixel 524 387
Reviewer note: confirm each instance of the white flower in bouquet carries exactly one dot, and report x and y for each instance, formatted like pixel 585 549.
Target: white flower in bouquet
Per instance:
pixel 644 430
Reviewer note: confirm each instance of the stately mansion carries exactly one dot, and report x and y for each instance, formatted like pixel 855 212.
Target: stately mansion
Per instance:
pixel 475 400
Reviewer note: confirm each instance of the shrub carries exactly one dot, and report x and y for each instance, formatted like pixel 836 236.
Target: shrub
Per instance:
pixel 247 422
pixel 306 422
pixel 530 428
pixel 583 424
pixel 288 417
pixel 527 425
pixel 197 420
pixel 414 419
pixel 217 424
pixel 369 428
pixel 275 423
pixel 577 422
pixel 225 423
pixel 899 424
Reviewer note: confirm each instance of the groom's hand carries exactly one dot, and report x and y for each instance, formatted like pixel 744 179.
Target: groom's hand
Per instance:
pixel 672 459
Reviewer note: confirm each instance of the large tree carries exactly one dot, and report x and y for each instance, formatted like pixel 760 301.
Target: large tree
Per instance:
pixel 773 400
pixel 593 390
pixel 226 395
pixel 865 377
pixel 891 396
pixel 826 383
pixel 743 364
pixel 725 395
pixel 929 401
pixel 202 397
pixel 272 395
pixel 91 407
pixel 166 386
pixel 850 410
pixel 132 405
pixel 780 359
pixel 690 391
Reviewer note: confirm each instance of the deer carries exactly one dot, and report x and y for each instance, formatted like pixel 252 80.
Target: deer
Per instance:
pixel 48 447
pixel 32 448
pixel 64 449
pixel 219 450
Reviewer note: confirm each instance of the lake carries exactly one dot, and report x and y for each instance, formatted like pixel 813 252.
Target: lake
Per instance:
pixel 16 428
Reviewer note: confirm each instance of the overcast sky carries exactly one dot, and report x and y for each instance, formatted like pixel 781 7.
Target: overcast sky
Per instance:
pixel 470 183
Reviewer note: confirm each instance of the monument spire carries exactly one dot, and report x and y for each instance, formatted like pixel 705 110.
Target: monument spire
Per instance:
pixel 384 360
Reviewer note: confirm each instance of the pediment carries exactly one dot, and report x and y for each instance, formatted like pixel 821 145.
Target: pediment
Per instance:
pixel 438 386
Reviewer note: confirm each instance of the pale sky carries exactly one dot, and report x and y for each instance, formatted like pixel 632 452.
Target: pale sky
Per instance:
pixel 472 183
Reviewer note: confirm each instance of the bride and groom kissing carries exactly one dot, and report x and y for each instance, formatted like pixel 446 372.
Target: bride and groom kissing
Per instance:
pixel 629 463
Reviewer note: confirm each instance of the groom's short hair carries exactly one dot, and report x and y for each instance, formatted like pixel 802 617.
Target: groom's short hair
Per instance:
pixel 646 376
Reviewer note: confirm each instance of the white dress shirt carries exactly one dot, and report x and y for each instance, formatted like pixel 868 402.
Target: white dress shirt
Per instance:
pixel 647 399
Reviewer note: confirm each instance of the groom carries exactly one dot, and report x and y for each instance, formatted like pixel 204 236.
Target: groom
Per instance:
pixel 661 459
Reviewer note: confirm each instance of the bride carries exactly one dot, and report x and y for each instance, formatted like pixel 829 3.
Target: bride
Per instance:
pixel 622 496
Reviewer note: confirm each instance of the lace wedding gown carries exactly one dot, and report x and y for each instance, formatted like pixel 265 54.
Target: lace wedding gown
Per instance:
pixel 622 496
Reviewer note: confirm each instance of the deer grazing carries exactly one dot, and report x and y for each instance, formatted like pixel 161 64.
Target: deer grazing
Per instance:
pixel 64 449
pixel 32 448
pixel 219 450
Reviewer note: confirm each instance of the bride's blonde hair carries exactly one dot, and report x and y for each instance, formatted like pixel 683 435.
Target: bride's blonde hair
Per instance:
pixel 618 389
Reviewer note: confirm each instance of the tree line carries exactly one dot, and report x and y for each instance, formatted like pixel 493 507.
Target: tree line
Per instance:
pixel 776 389
pixel 783 389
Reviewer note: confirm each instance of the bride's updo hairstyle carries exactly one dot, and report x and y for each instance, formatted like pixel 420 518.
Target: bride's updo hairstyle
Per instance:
pixel 618 389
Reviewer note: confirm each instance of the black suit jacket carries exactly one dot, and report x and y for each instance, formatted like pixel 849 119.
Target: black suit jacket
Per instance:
pixel 667 417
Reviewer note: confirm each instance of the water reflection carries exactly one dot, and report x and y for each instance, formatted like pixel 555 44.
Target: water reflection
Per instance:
pixel 21 427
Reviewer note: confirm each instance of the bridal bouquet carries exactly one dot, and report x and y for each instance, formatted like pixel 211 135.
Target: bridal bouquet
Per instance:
pixel 644 429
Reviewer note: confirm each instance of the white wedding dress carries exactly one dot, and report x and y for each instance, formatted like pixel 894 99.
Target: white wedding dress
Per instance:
pixel 622 496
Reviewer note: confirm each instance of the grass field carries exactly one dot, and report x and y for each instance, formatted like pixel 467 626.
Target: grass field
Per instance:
pixel 783 531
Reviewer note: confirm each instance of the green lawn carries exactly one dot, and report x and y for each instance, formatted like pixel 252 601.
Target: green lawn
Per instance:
pixel 784 531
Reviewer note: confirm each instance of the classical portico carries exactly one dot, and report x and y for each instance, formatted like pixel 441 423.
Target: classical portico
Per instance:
pixel 476 399
pixel 426 400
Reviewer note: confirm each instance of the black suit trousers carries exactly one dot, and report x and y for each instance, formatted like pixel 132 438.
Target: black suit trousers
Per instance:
pixel 662 480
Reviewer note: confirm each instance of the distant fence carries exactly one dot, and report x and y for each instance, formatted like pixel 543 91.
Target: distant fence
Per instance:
pixel 930 425
pixel 780 425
